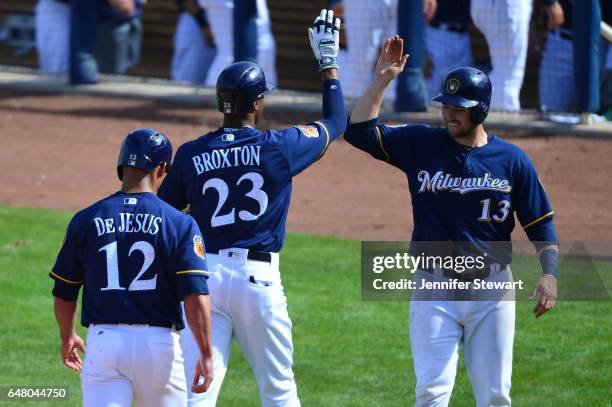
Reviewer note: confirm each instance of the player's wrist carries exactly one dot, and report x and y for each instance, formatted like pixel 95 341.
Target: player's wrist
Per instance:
pixel 68 336
pixel 549 260
pixel 326 63
pixel 330 73
pixel 381 82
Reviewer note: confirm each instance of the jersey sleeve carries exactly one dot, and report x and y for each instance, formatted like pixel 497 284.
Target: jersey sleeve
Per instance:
pixel 68 271
pixel 190 263
pixel 392 144
pixel 173 189
pixel 533 209
pixel 302 145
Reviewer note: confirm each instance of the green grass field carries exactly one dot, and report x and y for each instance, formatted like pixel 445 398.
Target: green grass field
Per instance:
pixel 347 352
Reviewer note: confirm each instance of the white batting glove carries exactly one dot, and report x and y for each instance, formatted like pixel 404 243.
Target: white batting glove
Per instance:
pixel 325 39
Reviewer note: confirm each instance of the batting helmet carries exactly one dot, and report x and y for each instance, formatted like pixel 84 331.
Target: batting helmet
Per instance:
pixel 144 149
pixel 239 85
pixel 467 87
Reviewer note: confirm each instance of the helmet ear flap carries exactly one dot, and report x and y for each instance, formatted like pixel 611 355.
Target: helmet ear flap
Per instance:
pixel 479 113
pixel 226 102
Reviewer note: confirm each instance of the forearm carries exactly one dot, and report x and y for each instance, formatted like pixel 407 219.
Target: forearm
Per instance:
pixel 65 314
pixel 334 112
pixel 549 259
pixel 197 309
pixel 368 105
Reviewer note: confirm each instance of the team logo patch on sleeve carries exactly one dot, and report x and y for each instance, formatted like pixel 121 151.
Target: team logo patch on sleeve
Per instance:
pixel 198 246
pixel 309 131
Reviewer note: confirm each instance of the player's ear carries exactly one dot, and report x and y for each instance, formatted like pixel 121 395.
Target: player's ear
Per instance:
pixel 160 171
pixel 258 105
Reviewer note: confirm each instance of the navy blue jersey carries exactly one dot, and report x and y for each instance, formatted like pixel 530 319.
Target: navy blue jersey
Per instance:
pixel 461 194
pixel 136 258
pixel 238 182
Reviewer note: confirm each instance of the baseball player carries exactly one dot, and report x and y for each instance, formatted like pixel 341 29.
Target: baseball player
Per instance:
pixel 52 35
pixel 220 17
pixel 194 45
pixel 368 23
pixel 505 25
pixel 237 181
pixel 556 84
pixel 447 40
pixel 136 258
pixel 556 88
pixel 466 185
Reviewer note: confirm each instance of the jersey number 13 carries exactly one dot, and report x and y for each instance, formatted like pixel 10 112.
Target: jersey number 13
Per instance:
pixel 503 207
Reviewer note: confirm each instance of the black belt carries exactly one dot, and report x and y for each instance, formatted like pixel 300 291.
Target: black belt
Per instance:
pixel 469 275
pixel 168 325
pixel 252 255
pixel 160 325
pixel 454 27
pixel 566 35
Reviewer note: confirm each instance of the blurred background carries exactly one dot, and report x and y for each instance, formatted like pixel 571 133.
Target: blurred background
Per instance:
pixel 532 66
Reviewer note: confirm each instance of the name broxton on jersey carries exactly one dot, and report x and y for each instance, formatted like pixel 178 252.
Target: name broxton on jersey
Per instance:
pixel 227 157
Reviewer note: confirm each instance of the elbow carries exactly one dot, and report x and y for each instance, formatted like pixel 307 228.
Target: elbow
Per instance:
pixel 338 126
pixel 335 122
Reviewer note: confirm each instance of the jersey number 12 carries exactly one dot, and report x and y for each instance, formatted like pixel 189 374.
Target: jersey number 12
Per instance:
pixel 112 267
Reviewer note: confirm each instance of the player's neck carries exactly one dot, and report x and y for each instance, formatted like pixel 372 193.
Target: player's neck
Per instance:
pixel 135 184
pixel 476 138
pixel 236 122
pixel 136 189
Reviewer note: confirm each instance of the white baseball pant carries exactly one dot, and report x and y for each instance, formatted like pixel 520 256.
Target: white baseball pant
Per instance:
pixel 505 25
pixel 126 363
pixel 52 19
pixel 368 24
pixel 438 327
pixel 220 15
pixel 220 18
pixel 248 303
pixel 447 50
pixel 266 47
pixel 192 56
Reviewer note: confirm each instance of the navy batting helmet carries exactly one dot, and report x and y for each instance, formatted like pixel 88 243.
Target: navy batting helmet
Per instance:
pixel 144 149
pixel 239 85
pixel 467 87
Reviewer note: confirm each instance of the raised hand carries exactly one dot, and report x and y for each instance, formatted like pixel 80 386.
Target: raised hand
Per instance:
pixel 325 39
pixel 392 59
